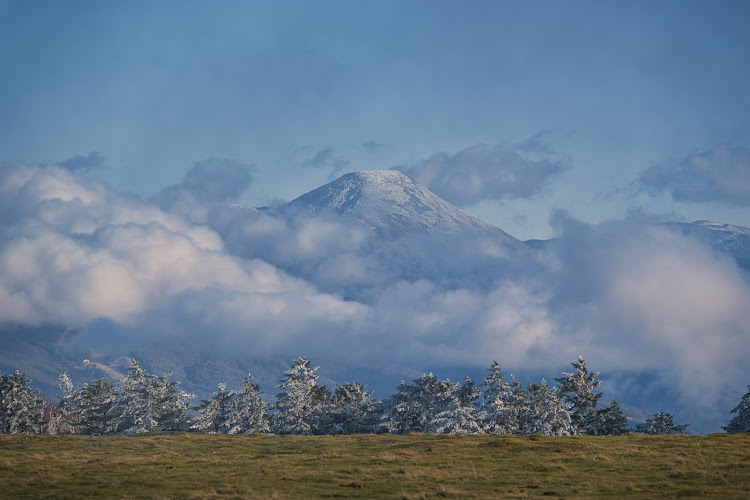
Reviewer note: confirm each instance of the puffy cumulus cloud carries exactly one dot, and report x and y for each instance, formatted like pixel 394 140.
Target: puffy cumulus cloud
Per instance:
pixel 73 251
pixel 720 174
pixel 483 172
pixel 211 181
pixel 639 298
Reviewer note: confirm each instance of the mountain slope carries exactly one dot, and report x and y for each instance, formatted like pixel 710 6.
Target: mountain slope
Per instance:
pixel 727 238
pixel 391 205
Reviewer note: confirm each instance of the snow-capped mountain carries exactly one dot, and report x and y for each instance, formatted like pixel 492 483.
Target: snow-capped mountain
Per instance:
pixel 392 205
pixel 727 238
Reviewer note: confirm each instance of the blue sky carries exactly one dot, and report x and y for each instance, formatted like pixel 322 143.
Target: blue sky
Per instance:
pixel 303 91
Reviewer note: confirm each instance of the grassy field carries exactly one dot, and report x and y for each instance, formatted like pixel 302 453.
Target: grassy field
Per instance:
pixel 369 466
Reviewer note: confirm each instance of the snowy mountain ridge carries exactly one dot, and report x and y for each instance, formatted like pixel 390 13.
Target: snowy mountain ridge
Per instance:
pixel 392 205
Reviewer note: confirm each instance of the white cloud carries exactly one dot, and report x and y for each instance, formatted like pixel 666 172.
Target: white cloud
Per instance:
pixel 483 172
pixel 720 174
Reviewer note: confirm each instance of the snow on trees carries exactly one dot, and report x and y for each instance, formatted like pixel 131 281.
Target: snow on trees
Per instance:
pixel 609 421
pixel 549 414
pixel 741 422
pixel 498 415
pixel 249 412
pixel 353 408
pixel 577 389
pixel 215 413
pixel 661 423
pixel 303 407
pixel 145 403
pixel 21 407
pixel 431 406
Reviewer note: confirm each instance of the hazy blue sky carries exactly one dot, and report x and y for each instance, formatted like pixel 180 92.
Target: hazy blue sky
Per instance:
pixel 587 94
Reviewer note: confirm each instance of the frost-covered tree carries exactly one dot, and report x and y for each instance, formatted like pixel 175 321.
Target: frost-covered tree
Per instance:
pixel 610 421
pixel 661 423
pixel 146 403
pixel 432 406
pixel 499 417
pixel 249 412
pixel 550 414
pixel 169 406
pixel 21 407
pixel 91 407
pixel 64 419
pixel 353 408
pixel 519 407
pixel 741 421
pixel 303 407
pixel 412 408
pixel 577 388
pixel 458 409
pixel 215 414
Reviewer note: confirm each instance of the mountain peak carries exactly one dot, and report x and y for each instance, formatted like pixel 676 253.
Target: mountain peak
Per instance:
pixel 391 204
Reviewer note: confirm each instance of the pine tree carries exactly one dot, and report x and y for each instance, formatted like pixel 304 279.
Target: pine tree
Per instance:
pixel 249 412
pixel 65 417
pixel 578 390
pixel 741 422
pixel 215 414
pixel 549 413
pixel 412 408
pixel 354 408
pixel 458 409
pixel 499 418
pixel 21 407
pixel 145 403
pixel 610 421
pixel 303 407
pixel 661 423
pixel 91 407
pixel 169 406
pixel 519 407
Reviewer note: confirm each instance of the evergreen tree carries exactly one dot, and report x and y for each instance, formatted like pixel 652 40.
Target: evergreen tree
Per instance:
pixel 413 407
pixel 661 423
pixel 215 414
pixel 499 417
pixel 519 407
pixel 65 417
pixel 303 407
pixel 610 421
pixel 578 390
pixel 21 407
pixel 169 406
pixel 146 403
pixel 354 408
pixel 549 413
pixel 741 422
pixel 91 407
pixel 458 409
pixel 249 412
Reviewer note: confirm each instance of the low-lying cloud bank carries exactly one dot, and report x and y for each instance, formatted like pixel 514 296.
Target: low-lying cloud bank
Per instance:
pixel 631 296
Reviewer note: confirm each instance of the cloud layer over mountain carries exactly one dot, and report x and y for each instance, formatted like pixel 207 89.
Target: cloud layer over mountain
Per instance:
pixel 631 296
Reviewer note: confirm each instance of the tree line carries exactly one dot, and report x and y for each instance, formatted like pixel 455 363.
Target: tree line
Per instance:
pixel 142 402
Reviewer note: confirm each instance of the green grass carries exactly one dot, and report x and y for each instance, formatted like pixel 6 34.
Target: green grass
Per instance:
pixel 370 466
